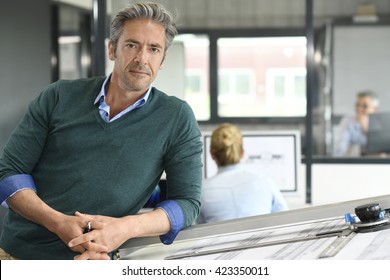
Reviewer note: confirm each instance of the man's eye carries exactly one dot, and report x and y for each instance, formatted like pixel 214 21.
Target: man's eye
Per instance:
pixel 130 45
pixel 156 50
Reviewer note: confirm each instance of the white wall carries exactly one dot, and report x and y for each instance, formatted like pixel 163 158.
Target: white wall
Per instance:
pixel 341 182
pixel 333 183
pixel 361 62
pixel 25 58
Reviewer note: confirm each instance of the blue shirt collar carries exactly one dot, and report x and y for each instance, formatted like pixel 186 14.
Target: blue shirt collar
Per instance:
pixel 102 94
pixel 104 108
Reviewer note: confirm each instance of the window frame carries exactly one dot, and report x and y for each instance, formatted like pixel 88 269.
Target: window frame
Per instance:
pixel 214 35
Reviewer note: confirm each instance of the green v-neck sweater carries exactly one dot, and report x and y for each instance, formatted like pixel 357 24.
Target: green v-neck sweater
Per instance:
pixel 81 163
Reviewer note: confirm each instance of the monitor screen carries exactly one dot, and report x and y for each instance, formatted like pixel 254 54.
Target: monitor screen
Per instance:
pixel 275 154
pixel 378 137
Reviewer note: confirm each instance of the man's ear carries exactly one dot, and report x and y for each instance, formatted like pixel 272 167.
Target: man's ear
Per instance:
pixel 111 51
pixel 162 61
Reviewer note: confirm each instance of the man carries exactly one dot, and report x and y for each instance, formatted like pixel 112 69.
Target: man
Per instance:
pixel 91 151
pixel 353 130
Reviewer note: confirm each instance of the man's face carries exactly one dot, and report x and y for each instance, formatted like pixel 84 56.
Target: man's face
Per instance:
pixel 139 54
pixel 365 106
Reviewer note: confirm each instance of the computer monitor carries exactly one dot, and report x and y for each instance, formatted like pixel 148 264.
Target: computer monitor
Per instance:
pixel 378 137
pixel 277 154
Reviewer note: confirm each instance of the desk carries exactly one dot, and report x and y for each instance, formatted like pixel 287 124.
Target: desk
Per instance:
pixel 252 231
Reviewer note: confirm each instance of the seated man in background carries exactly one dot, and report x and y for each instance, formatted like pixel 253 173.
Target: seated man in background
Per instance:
pixel 235 192
pixel 352 138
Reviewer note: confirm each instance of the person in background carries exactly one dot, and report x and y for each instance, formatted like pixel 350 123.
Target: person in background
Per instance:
pixel 235 192
pixel 88 154
pixel 352 138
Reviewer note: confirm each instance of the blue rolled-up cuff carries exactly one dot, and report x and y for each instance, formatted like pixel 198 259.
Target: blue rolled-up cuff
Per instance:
pixel 175 216
pixel 12 184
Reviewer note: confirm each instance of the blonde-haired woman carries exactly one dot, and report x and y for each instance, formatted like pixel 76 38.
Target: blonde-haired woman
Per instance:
pixel 235 192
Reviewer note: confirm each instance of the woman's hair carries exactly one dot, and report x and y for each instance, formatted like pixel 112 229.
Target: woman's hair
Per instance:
pixel 148 10
pixel 226 144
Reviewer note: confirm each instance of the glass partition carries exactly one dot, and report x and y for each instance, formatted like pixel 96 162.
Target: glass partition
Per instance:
pixel 352 62
pixel 74 45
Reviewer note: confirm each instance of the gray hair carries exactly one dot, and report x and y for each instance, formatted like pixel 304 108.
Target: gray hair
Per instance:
pixel 368 93
pixel 148 10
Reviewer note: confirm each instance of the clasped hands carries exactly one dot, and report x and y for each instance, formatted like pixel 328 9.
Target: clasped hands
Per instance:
pixel 104 237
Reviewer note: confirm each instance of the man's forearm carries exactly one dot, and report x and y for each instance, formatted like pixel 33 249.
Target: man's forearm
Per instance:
pixel 153 223
pixel 27 204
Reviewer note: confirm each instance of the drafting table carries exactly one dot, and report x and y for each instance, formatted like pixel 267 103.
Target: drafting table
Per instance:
pixel 258 237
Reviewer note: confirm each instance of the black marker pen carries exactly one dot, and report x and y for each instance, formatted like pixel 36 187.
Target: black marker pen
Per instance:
pixel 88 228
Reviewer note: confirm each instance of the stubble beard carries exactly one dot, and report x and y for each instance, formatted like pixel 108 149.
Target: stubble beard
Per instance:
pixel 134 83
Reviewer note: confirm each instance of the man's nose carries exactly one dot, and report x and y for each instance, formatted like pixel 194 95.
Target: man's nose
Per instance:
pixel 141 57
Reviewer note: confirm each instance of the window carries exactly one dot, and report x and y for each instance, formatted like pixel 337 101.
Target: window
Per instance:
pixel 286 91
pixel 255 77
pixel 235 86
pixel 196 84
pixel 194 81
pixel 74 58
pixel 262 77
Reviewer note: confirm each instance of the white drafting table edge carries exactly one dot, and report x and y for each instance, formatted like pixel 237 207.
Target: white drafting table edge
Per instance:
pixel 309 213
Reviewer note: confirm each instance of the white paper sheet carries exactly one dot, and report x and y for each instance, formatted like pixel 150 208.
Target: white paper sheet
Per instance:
pixel 374 245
